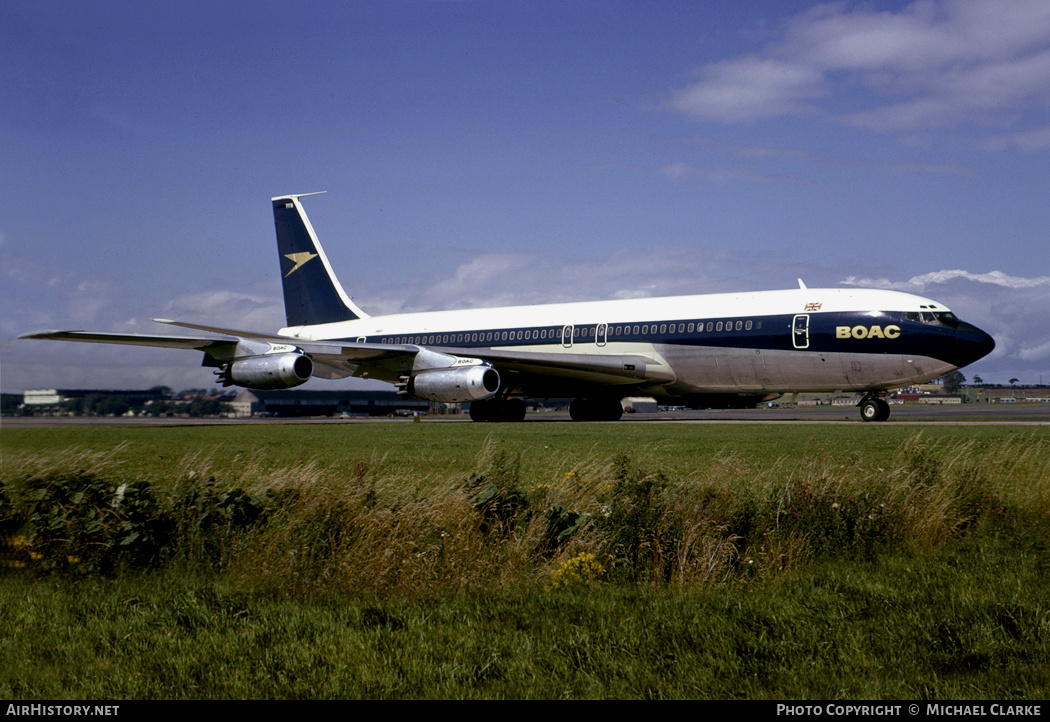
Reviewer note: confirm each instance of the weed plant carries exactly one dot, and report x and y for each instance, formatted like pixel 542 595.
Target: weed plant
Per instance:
pixel 921 573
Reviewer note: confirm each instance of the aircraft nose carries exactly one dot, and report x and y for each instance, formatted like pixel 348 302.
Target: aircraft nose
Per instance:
pixel 971 344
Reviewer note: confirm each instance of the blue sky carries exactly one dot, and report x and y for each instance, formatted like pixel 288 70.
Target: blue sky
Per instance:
pixel 488 153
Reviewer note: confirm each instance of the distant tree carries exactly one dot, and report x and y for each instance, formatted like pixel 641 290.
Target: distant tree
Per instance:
pixel 953 382
pixel 110 406
pixel 206 407
pixel 1013 381
pixel 9 404
pixel 977 380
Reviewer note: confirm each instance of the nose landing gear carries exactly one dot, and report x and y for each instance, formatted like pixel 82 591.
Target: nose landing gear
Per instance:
pixel 873 407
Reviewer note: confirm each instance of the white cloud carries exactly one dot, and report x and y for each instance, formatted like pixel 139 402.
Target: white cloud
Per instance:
pixel 229 309
pixel 916 284
pixel 749 89
pixel 931 64
pixel 1026 140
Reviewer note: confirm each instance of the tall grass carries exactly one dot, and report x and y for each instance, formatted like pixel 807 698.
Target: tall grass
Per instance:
pixel 390 527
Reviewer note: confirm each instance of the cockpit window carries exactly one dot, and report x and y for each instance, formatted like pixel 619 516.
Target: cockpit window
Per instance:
pixel 947 318
pixel 924 316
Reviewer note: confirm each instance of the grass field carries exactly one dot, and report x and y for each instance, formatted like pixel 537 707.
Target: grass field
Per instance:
pixel 446 560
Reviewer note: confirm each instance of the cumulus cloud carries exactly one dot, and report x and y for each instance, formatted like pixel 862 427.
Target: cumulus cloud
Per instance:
pixel 916 284
pixel 506 279
pixel 751 88
pixel 931 64
pixel 231 309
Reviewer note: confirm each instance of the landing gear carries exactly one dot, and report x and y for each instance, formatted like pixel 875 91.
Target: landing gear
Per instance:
pixel 874 408
pixel 596 410
pixel 506 410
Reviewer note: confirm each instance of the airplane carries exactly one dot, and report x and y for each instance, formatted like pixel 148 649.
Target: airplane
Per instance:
pixel 725 350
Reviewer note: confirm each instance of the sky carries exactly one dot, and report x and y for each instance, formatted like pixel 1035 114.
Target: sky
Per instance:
pixel 482 153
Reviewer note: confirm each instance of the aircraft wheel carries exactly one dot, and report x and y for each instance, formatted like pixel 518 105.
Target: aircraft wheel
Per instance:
pixel 884 409
pixel 480 410
pixel 874 410
pixel 512 410
pixel 580 410
pixel 595 410
pixel 508 410
pixel 611 410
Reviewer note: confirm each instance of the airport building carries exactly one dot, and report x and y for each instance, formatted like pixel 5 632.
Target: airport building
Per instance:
pixel 251 402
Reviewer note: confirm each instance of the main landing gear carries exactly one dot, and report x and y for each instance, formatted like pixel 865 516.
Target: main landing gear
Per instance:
pixel 873 407
pixel 497 409
pixel 596 410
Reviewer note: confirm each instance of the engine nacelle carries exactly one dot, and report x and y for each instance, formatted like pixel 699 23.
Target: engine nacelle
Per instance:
pixel 278 371
pixel 473 383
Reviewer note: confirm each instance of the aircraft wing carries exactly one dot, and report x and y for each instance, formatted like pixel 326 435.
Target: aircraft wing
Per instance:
pixel 620 369
pixel 527 370
pixel 136 339
pixel 333 359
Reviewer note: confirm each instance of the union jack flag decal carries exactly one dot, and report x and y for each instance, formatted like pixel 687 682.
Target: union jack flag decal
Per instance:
pixel 813 306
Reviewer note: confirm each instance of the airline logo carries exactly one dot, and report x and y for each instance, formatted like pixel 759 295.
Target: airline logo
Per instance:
pixel 860 332
pixel 299 259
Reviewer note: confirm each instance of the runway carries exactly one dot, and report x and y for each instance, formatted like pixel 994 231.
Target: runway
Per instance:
pixel 910 414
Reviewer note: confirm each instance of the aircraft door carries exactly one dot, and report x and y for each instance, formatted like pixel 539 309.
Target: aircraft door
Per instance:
pixel 800 331
pixel 601 333
pixel 566 336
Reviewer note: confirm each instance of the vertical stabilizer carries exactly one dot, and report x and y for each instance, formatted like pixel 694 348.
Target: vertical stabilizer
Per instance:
pixel 312 293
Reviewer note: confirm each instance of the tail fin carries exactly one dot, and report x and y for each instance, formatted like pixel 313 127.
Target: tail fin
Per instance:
pixel 312 293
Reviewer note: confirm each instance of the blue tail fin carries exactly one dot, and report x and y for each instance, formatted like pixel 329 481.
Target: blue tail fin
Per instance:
pixel 312 293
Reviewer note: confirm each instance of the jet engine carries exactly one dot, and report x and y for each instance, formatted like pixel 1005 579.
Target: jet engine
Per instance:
pixel 473 383
pixel 278 371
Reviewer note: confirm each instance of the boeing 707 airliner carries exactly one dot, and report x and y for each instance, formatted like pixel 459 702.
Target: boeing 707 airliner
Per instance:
pixel 712 350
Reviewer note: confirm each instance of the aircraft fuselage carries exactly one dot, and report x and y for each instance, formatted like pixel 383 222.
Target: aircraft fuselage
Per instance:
pixel 771 342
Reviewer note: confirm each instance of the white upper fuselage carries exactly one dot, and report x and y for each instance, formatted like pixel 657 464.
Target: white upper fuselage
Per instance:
pixel 765 342
pixel 638 310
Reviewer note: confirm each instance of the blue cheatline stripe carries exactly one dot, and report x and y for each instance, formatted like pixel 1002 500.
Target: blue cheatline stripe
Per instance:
pixel 867 333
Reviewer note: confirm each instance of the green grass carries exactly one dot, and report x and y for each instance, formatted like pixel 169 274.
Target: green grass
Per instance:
pixel 151 452
pixel 429 561
pixel 904 629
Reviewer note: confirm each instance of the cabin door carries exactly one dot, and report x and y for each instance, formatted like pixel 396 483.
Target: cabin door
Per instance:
pixel 800 331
